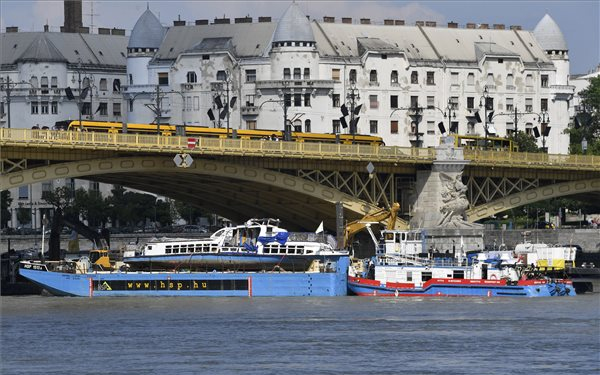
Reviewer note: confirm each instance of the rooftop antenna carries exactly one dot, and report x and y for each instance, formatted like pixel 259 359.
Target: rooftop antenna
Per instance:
pixel 92 14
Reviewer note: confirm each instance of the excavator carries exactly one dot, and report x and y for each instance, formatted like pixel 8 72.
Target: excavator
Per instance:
pixel 373 218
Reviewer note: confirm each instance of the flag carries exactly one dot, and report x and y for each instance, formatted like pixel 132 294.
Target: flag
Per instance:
pixel 320 228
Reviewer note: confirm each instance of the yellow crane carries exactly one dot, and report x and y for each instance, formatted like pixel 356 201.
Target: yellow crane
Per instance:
pixel 376 217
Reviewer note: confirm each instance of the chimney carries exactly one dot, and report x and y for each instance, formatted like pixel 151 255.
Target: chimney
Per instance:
pixel 399 22
pixel 484 26
pixel 347 20
pixel 103 31
pixel 73 16
pixel 515 27
pixel 498 26
pixel 243 20
pixel 264 19
pixel 120 32
pixel 328 19
pixel 420 23
pixel 46 28
pixel 365 21
pixel 221 21
pixel 201 22
pixel 452 25
pixel 430 23
pixel 470 25
pixel 12 29
pixel 388 22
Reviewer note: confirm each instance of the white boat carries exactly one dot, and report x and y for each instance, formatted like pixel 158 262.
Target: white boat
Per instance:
pixel 257 245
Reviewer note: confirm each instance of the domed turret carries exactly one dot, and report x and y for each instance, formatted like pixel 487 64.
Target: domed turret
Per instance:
pixel 293 28
pixel 549 36
pixel 147 33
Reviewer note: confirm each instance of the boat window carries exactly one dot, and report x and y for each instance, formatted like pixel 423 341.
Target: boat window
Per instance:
pixel 458 274
pixel 149 247
pixel 403 236
pixel 425 276
pixel 408 275
pixel 309 251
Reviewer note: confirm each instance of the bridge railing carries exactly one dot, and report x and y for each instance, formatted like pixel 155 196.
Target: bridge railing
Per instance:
pixel 217 146
pixel 554 161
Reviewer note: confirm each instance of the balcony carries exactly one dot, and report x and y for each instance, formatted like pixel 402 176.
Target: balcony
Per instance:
pixel 191 86
pixel 562 92
pixel 300 84
pixel 249 110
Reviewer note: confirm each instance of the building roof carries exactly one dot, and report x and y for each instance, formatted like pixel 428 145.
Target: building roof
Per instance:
pixel 293 26
pixel 147 32
pixel 549 35
pixel 90 49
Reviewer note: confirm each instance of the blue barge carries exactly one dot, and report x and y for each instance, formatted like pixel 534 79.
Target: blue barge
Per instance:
pixel 327 277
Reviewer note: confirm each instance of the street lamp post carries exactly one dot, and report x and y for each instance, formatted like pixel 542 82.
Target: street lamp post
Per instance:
pixel 353 96
pixel 584 145
pixel 544 120
pixel 416 117
pixel 450 113
pixel 6 86
pixel 483 102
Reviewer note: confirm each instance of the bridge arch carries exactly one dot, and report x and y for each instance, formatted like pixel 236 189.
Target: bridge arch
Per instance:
pixel 231 190
pixel 531 196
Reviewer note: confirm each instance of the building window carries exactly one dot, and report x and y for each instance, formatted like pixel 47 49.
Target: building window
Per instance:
pixel 510 128
pixel 24 192
pixel 163 78
pixel 205 57
pixel 510 81
pixel 116 109
pixel 336 126
pixel 117 85
pixel 94 187
pixel 529 80
pixel 489 104
pixel 191 77
pixel 44 108
pixel 394 127
pixel 373 126
pixel 103 84
pixel 44 85
pixel 454 78
pixel 103 108
pixel 131 79
pixel 528 105
pixel 86 109
pixel 394 76
pixel 509 104
pixel 54 108
pixel 46 189
pixel 490 79
pixel 335 74
pixel 352 76
pixel 251 124
pixel 454 102
pixel 393 101
pixel 431 78
pixel 287 100
pixel 431 102
pixel 336 100
pixel 297 100
pixel 470 102
pixel 298 125
pixel 286 73
pixel 307 100
pixel 196 103
pixel 373 103
pixel 414 78
pixel 249 100
pixel 34 108
pixel 250 75
pixel 54 82
pixel 544 80
pixel 544 104
pixel 297 74
pixel 373 76
pixel 307 126
pixel 431 127
pixel 470 79
pixel 306 73
pixel 414 101
pixel 221 75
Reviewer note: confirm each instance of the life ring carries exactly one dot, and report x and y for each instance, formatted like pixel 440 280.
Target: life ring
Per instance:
pixel 493 277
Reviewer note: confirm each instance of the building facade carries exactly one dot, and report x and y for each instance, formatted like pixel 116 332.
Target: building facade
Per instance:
pixel 315 67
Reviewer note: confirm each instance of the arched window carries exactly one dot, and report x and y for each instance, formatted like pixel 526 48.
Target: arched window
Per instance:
pixel 414 77
pixel 191 77
pixel 298 125
pixel 307 126
pixel 373 76
pixel 470 79
pixel 352 76
pixel 394 76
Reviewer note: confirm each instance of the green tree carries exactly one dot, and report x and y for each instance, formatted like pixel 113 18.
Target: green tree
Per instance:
pixel 587 123
pixel 5 201
pixel 525 142
pixel 188 212
pixel 91 206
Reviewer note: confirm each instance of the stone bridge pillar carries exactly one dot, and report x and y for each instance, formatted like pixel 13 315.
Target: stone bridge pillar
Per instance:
pixel 441 199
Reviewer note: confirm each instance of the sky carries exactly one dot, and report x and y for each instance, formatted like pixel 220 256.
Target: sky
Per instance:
pixel 578 20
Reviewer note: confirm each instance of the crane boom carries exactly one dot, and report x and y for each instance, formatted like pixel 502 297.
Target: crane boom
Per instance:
pixel 378 216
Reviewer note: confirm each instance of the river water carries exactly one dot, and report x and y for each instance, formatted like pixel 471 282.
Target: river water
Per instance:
pixel 341 335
